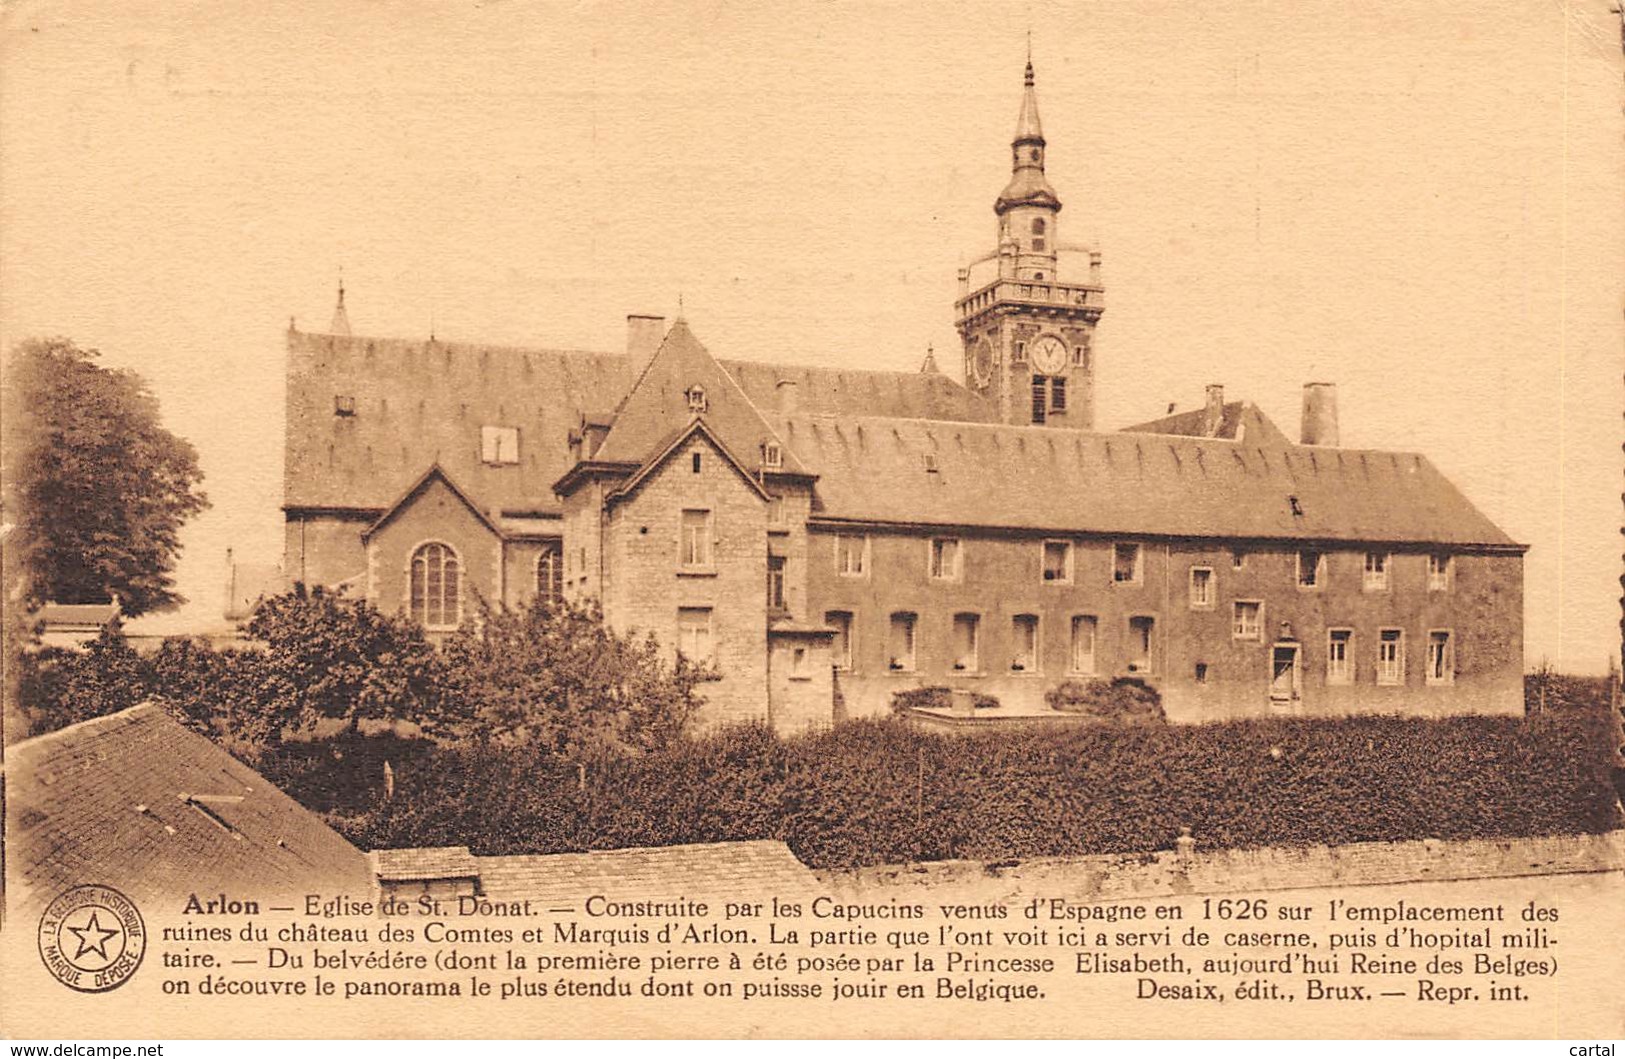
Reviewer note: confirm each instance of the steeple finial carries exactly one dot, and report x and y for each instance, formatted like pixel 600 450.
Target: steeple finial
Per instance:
pixel 341 319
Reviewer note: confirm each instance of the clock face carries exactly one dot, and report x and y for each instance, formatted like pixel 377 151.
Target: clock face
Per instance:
pixel 981 363
pixel 1049 355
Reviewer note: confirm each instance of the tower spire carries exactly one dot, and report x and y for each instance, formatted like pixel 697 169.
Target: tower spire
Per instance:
pixel 1028 186
pixel 341 319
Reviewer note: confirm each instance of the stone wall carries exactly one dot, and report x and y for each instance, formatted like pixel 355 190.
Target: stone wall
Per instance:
pixel 645 586
pixel 1130 876
pixel 1002 576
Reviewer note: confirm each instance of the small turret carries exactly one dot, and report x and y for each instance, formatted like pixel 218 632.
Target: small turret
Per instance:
pixel 341 319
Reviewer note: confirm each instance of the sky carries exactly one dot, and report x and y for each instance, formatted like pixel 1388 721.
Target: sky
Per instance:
pixel 1421 201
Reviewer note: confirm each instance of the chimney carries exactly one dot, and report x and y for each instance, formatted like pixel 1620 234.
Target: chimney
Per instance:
pixel 1213 414
pixel 643 335
pixel 1319 414
pixel 789 397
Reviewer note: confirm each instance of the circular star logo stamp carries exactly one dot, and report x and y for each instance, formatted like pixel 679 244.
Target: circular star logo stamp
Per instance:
pixel 92 938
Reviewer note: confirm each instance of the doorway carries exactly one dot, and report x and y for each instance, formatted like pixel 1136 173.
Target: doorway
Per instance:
pixel 1286 684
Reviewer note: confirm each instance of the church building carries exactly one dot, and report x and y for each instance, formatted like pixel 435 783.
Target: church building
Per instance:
pixel 830 537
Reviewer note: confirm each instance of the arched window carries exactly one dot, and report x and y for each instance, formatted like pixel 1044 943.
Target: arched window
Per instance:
pixel 550 575
pixel 436 586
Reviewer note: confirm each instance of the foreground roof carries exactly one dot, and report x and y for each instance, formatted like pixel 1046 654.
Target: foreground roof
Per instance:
pixel 137 801
pixel 874 469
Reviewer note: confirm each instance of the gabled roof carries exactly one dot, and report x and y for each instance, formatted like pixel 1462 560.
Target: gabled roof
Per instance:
pixel 434 473
pixel 658 407
pixel 138 802
pixel 418 402
pixel 873 469
pixel 564 879
pixel 847 391
pixel 664 452
pixel 1238 421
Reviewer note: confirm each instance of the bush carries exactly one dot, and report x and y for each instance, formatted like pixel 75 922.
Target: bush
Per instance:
pixel 937 698
pixel 555 675
pixel 1124 700
pixel 877 792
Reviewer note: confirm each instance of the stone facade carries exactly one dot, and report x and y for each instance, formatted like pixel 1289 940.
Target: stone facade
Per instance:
pixel 1000 580
pixel 829 537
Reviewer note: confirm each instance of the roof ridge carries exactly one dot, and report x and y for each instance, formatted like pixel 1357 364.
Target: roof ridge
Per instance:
pixel 142 709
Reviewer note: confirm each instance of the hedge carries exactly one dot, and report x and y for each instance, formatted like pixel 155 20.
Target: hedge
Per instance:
pixel 879 792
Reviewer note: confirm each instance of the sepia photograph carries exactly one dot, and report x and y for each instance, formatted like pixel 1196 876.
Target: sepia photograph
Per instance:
pixel 527 520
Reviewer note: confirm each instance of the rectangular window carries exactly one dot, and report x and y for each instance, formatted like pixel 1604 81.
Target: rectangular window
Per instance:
pixel 1082 660
pixel 966 644
pixel 772 454
pixel 1438 573
pixel 1311 569
pixel 1238 559
pixel 775 511
pixel 851 555
pixel 1126 563
pixel 900 643
pixel 775 582
pixel 945 559
pixel 1057 394
pixel 1040 399
pixel 343 405
pixel 841 646
pixel 1201 672
pixel 1080 356
pixel 1391 656
pixel 499 445
pixel 1376 571
pixel 696 539
pixel 1247 620
pixel 1018 354
pixel 800 665
pixel 1441 657
pixel 1338 668
pixel 694 637
pixel 1024 643
pixel 1139 644
pixel 1201 587
pixel 1058 562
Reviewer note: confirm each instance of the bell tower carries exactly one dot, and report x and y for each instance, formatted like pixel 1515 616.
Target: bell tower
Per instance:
pixel 1028 334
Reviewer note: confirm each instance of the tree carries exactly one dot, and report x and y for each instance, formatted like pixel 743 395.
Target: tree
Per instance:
pixel 97 488
pixel 330 658
pixel 556 677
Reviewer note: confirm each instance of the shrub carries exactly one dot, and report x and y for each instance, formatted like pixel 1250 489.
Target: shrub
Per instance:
pixel 1124 700
pixel 59 686
pixel 937 698
pixel 875 792
pixel 555 675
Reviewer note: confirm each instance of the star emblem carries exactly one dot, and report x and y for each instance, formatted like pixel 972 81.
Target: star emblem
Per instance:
pixel 92 937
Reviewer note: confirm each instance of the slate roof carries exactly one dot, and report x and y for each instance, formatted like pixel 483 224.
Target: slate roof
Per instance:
pixel 136 801
pixel 417 403
pixel 658 406
pixel 1239 419
pixel 564 880
pixel 1038 479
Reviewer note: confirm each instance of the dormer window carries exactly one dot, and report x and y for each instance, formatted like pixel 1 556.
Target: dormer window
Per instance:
pixel 499 445
pixel 696 399
pixel 343 405
pixel 772 454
